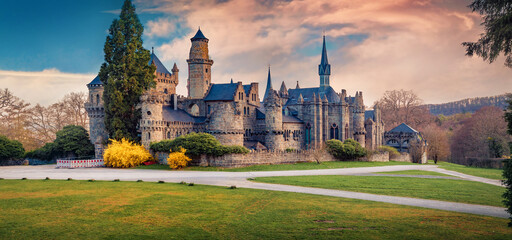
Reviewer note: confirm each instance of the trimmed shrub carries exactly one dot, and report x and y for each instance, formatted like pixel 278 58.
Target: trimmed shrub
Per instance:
pixel 289 150
pixel 125 154
pixel 196 145
pixel 393 153
pixel 10 149
pixel 347 150
pixel 178 159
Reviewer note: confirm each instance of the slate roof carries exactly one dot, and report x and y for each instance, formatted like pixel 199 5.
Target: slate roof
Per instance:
pixel 171 115
pixel 260 113
pixel 269 86
pixel 369 114
pixel 324 68
pixel 199 35
pixel 96 81
pixel 403 128
pixel 291 119
pixel 247 89
pixel 222 92
pixel 160 68
pixel 307 94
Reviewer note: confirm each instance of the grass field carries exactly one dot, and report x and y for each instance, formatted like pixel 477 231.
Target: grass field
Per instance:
pixel 479 172
pixel 283 167
pixel 416 172
pixel 52 209
pixel 438 189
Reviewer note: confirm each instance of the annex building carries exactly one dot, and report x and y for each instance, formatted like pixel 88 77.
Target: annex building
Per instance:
pixel 236 113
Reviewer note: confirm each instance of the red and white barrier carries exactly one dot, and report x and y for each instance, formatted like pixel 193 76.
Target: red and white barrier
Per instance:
pixel 62 163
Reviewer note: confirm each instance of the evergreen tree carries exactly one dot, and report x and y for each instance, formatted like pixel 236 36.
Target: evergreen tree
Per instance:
pixel 507 169
pixel 125 74
pixel 497 16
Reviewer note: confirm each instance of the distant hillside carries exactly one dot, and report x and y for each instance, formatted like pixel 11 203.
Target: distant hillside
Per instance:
pixel 468 105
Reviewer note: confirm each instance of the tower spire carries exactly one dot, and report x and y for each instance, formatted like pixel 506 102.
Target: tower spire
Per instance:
pixel 152 50
pixel 324 69
pixel 269 85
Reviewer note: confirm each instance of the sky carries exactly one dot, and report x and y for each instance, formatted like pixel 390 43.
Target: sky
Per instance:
pixel 51 48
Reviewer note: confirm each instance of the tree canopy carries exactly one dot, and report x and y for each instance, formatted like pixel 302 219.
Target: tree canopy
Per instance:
pixel 10 149
pixel 125 74
pixel 497 38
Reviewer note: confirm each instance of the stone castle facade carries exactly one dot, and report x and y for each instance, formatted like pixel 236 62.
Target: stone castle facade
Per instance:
pixel 287 118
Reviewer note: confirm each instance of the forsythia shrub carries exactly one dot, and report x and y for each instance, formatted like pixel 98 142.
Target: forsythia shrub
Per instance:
pixel 178 159
pixel 125 154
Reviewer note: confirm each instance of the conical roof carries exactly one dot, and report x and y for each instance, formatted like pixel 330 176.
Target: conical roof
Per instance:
pixel 269 85
pixel 199 35
pixel 96 81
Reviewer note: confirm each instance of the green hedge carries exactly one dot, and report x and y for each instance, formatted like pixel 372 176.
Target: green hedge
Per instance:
pixel 10 149
pixel 196 145
pixel 347 150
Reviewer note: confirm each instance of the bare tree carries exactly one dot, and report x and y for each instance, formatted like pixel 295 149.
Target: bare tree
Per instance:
pixel 400 106
pixel 438 143
pixel 472 138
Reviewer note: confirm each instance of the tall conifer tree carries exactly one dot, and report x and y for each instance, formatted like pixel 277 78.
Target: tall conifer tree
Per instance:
pixel 125 74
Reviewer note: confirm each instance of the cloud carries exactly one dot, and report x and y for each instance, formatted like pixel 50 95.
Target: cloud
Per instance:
pixel 409 44
pixel 162 27
pixel 44 87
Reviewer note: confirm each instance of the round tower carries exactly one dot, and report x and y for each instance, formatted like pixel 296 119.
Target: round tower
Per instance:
pixel 199 67
pixel 151 124
pixel 96 114
pixel 273 122
pixel 358 110
pixel 226 124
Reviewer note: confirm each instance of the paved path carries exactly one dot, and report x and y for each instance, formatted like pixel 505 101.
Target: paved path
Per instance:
pixel 239 179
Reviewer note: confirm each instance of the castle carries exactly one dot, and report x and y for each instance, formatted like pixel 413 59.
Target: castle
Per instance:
pixel 287 118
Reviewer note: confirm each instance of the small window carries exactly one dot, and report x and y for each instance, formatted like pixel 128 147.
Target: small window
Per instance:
pixel 165 90
pixel 149 113
pixel 207 70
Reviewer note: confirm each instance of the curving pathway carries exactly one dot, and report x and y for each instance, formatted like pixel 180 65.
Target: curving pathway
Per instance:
pixel 239 179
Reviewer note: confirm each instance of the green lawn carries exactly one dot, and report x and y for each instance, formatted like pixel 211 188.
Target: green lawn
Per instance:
pixel 479 172
pixel 52 209
pixel 438 189
pixel 416 172
pixel 283 167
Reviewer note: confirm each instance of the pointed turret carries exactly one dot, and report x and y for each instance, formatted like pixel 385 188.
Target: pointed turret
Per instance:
pixel 269 85
pixel 297 87
pixel 324 69
pixel 231 80
pixel 199 35
pixel 175 68
pixel 283 88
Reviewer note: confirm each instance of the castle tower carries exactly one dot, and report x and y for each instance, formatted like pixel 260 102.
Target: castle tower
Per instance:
pixel 273 120
pixel 151 125
pixel 226 124
pixel 358 119
pixel 96 113
pixel 166 81
pixel 199 67
pixel 324 69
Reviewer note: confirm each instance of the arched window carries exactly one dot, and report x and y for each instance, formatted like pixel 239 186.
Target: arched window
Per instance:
pixel 334 131
pixel 149 136
pixel 97 99
pixel 168 135
pixel 346 131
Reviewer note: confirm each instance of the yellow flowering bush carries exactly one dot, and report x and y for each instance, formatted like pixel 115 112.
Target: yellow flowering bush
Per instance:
pixel 125 154
pixel 178 159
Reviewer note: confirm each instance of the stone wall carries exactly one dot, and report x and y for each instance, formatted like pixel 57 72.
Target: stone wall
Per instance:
pixel 268 158
pixel 404 157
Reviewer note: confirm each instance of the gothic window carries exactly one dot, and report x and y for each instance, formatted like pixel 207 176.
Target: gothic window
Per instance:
pixel 334 131
pixel 308 134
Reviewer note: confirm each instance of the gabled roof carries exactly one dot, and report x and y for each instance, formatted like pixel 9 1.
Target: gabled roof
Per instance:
pixel 199 35
pixel 307 94
pixel 403 128
pixel 222 92
pixel 96 81
pixel 160 68
pixel 171 115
